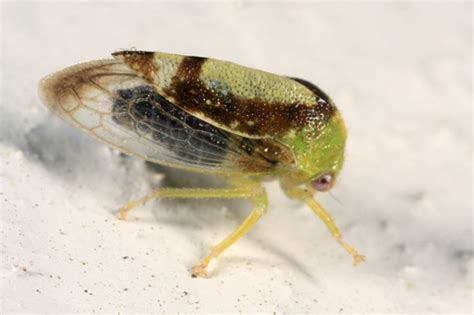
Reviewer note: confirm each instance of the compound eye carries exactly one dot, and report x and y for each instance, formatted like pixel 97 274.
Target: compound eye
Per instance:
pixel 323 182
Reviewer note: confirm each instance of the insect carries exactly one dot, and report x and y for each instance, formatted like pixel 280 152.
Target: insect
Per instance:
pixel 208 115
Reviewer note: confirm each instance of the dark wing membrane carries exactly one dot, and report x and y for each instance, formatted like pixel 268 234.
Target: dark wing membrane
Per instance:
pixel 111 103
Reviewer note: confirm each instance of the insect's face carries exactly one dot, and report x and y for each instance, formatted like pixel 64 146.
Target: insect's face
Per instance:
pixel 319 154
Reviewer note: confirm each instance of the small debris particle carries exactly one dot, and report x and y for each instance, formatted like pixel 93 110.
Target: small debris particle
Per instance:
pixel 125 257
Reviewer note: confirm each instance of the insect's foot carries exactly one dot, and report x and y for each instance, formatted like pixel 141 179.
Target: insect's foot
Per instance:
pixel 123 213
pixel 358 258
pixel 199 271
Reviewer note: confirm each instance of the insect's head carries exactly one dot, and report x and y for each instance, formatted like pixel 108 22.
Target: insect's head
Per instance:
pixel 319 154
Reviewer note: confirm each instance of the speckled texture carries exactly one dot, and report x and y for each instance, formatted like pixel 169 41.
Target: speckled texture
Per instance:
pixel 399 73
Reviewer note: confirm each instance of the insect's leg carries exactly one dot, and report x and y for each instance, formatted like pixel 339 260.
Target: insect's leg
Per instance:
pixel 259 199
pixel 185 193
pixel 331 225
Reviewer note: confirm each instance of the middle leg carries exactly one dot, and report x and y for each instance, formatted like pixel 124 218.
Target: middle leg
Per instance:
pixel 260 203
pixel 241 188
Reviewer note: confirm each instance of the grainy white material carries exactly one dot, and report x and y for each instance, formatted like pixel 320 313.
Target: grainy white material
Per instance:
pixel 399 72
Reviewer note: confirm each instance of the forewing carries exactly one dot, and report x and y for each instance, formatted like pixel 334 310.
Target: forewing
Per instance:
pixel 111 103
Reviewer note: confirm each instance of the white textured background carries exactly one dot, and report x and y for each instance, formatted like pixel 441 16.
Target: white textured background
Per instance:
pixel 401 73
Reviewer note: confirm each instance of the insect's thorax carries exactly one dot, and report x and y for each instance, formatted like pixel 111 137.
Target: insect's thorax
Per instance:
pixel 241 100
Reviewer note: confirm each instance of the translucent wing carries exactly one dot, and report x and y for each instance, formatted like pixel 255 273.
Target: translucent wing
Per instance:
pixel 111 103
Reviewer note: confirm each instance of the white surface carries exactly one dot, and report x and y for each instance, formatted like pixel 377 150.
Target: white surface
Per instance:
pixel 400 74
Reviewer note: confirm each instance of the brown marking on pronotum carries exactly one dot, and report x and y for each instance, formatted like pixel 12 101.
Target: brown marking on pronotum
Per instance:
pixel 140 61
pixel 190 68
pixel 269 118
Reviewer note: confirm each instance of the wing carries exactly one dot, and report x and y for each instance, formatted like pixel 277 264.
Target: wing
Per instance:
pixel 110 102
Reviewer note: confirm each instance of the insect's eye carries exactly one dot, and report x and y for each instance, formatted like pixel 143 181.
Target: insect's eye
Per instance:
pixel 323 182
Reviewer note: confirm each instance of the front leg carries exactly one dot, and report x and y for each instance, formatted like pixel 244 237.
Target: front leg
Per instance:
pixel 306 195
pixel 331 225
